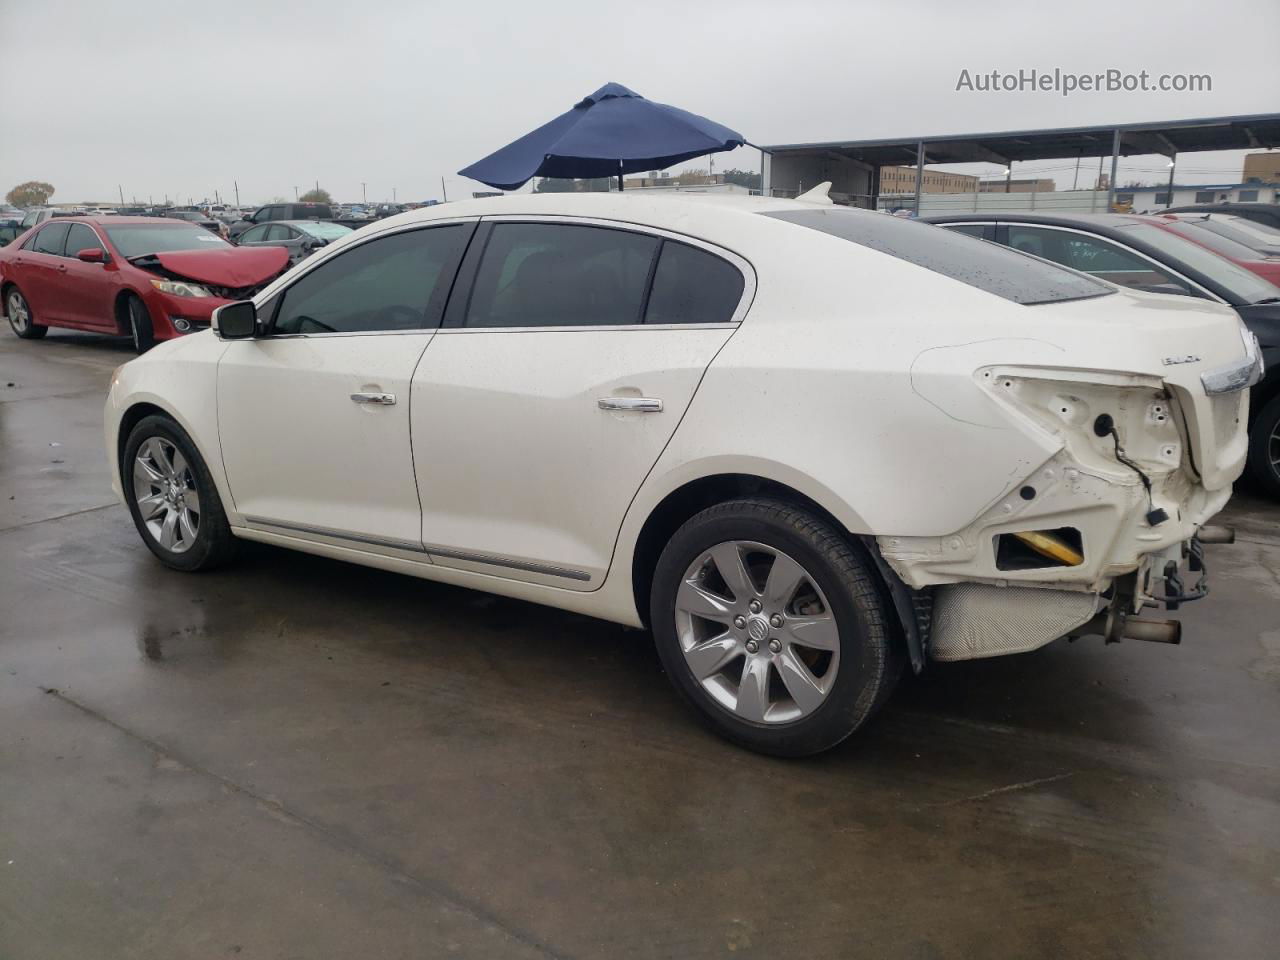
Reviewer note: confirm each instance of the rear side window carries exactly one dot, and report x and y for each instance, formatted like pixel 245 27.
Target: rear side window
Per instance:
pixel 398 282
pixel 80 237
pixel 693 286
pixel 254 235
pixel 987 266
pixel 51 239
pixel 561 275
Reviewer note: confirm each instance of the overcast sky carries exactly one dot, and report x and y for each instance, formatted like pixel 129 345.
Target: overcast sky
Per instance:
pixel 184 97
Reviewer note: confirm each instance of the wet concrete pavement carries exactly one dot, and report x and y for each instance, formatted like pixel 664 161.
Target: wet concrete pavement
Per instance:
pixel 296 758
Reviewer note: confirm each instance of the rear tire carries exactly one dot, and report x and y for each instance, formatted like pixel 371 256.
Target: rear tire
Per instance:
pixel 21 319
pixel 783 669
pixel 172 497
pixel 1264 448
pixel 141 328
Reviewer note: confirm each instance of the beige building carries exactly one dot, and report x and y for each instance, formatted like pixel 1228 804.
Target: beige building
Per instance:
pixel 903 180
pixel 1264 166
pixel 1019 186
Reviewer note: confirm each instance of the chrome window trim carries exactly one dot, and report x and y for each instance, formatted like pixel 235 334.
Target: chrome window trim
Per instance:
pixel 429 550
pixel 1191 284
pixel 743 265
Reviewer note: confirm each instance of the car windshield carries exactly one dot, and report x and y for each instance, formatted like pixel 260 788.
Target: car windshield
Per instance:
pixel 324 231
pixel 1239 284
pixel 140 239
pixel 991 268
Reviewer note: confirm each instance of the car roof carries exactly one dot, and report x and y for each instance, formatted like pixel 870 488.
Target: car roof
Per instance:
pixel 107 221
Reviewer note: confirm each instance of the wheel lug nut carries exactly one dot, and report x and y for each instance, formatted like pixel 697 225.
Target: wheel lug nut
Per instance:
pixel 739 622
pixel 776 620
pixel 752 646
pixel 754 606
pixel 775 646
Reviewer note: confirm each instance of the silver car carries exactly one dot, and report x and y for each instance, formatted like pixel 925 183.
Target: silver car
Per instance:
pixel 300 237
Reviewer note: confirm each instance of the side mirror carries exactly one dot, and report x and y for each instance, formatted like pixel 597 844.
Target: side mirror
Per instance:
pixel 235 321
pixel 92 255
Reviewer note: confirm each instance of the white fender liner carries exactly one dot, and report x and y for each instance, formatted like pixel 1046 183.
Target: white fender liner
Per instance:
pixel 975 620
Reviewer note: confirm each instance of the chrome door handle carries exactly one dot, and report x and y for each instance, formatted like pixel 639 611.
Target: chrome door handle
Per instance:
pixel 635 404
pixel 382 399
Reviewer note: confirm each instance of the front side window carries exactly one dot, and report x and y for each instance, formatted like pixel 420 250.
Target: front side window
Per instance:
pixel 276 232
pixel 561 275
pixel 1093 255
pixel 30 219
pixel 80 237
pixel 254 235
pixel 393 283
pixel 51 239
pixel 979 264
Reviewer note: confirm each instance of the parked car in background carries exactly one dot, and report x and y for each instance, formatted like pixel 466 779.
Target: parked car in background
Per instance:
pixel 1263 240
pixel 41 214
pixel 1266 267
pixel 144 277
pixel 273 212
pixel 199 219
pixel 11 213
pixel 1144 253
pixel 1264 213
pixel 300 237
pixel 804 444
pixel 387 210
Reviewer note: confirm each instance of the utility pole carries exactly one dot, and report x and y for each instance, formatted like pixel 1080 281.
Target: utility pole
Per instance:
pixel 1169 197
pixel 120 187
pixel 295 193
pixel 1008 177
pixel 393 194
pixel 237 184
pixel 363 196
pixel 444 194
pixel 1075 183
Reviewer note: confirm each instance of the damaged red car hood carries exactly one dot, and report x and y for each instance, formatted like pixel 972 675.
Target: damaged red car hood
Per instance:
pixel 227 267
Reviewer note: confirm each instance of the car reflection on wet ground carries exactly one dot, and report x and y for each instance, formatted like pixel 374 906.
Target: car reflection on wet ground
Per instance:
pixel 297 757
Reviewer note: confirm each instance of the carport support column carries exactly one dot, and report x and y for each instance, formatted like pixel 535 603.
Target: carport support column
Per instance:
pixel 919 173
pixel 1173 163
pixel 1115 165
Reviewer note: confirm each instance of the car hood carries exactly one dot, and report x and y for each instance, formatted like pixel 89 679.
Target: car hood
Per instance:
pixel 228 267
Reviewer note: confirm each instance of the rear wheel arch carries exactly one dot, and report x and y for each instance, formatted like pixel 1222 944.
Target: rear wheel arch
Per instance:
pixel 695 496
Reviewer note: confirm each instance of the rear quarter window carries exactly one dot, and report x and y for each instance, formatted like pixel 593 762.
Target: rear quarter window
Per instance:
pixel 986 266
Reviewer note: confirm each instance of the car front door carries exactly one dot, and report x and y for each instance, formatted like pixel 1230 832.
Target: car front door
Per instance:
pixel 568 356
pixel 87 289
pixel 314 416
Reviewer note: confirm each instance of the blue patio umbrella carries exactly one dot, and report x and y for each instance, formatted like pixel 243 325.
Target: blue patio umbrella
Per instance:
pixel 612 132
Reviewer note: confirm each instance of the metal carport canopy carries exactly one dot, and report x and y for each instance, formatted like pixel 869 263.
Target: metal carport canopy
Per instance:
pixel 1169 138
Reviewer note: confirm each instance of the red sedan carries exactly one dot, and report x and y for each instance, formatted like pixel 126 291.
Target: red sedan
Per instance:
pixel 1266 267
pixel 145 277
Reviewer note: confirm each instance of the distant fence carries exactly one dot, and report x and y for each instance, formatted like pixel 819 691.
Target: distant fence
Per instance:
pixel 1058 201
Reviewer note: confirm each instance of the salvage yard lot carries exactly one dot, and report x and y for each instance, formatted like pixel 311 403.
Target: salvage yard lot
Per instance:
pixel 297 757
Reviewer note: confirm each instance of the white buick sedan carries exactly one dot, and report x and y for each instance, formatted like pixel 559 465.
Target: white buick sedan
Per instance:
pixel 805 445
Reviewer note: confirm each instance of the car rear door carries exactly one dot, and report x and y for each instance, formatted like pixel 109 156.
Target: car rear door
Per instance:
pixel 570 353
pixel 40 271
pixel 314 417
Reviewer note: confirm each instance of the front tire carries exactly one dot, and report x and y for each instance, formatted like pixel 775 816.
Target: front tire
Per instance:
pixel 140 327
pixel 21 319
pixel 1264 448
pixel 172 497
pixel 773 627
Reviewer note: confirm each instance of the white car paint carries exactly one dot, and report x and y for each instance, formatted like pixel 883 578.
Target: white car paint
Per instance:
pixel 908 405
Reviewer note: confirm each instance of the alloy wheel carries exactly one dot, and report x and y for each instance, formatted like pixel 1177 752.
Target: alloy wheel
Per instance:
pixel 757 632
pixel 19 313
pixel 165 492
pixel 1273 450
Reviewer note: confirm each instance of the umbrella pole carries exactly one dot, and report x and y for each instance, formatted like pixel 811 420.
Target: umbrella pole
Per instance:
pixel 619 183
